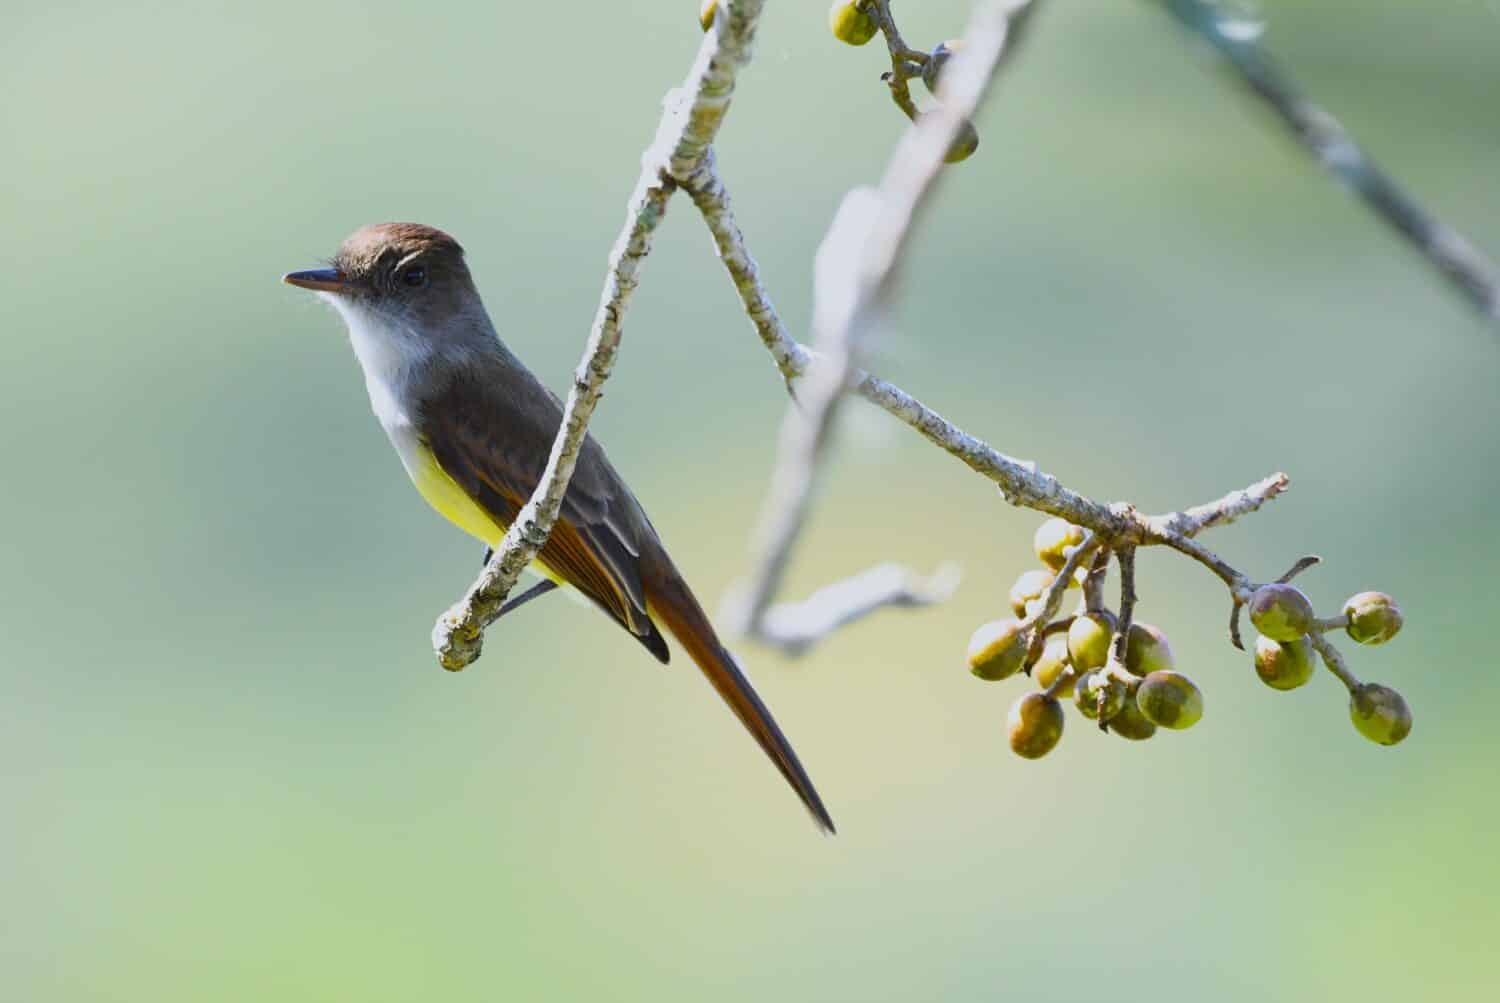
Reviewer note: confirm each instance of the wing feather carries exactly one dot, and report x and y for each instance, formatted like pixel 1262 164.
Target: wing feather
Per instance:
pixel 497 459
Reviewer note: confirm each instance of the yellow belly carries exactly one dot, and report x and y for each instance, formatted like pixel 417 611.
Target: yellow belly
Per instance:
pixel 454 504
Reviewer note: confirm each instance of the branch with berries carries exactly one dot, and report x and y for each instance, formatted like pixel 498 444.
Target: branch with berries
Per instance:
pixel 1121 673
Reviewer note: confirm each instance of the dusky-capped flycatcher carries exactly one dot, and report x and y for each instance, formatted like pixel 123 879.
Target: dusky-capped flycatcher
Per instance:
pixel 474 427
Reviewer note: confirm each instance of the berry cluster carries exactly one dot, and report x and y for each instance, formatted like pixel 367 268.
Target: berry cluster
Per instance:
pixel 1122 675
pixel 856 22
pixel 1291 635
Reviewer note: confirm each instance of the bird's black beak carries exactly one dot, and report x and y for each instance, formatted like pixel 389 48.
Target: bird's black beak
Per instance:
pixel 328 280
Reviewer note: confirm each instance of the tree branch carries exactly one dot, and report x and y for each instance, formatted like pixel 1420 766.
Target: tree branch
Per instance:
pixel 1237 40
pixel 689 122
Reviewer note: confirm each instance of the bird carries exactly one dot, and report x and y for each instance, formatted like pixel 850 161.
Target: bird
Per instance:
pixel 473 428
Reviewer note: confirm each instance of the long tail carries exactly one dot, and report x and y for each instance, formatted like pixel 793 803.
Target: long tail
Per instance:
pixel 669 597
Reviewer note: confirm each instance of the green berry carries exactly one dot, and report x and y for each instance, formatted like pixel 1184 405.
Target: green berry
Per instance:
pixel 937 59
pixel 1284 665
pixel 1170 699
pixel 1374 617
pixel 1130 722
pixel 997 650
pixel 1380 713
pixel 1088 640
pixel 1034 725
pixel 1099 696
pixel 1029 588
pixel 963 147
pixel 1281 612
pixel 706 13
pixel 1054 661
pixel 1054 537
pixel 851 23
pixel 1147 650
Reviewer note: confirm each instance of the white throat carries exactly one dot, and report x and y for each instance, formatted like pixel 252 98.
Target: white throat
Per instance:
pixel 389 354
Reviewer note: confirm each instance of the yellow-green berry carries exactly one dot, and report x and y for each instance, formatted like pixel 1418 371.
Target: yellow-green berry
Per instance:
pixel 1088 640
pixel 1281 612
pixel 850 22
pixel 1030 587
pixel 997 650
pixel 1130 722
pixel 1147 650
pixel 706 13
pixel 1374 617
pixel 1380 713
pixel 1170 699
pixel 1054 661
pixel 938 58
pixel 1099 696
pixel 1034 725
pixel 1284 665
pixel 1053 539
pixel 962 148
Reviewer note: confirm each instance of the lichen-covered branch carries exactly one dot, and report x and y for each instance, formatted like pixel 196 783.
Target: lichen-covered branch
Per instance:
pixel 1237 39
pixel 689 122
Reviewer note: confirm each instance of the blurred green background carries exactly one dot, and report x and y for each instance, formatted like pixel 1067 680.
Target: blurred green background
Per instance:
pixel 230 769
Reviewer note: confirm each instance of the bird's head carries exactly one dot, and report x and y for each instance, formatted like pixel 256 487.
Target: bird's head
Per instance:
pixel 403 271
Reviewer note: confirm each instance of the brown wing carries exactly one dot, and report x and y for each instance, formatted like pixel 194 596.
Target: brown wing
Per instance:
pixel 495 444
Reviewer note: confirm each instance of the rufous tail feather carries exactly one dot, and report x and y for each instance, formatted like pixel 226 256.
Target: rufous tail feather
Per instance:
pixel 670 599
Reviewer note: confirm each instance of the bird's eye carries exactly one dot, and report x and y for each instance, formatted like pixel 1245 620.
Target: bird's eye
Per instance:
pixel 415 277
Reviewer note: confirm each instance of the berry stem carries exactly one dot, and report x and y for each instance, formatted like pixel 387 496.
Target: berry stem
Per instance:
pixel 1093 584
pixel 1234 625
pixel 1125 557
pixel 1064 677
pixel 1325 624
pixel 1334 661
pixel 906 62
pixel 1296 569
pixel 1052 601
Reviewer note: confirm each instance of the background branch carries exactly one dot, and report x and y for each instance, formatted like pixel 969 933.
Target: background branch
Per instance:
pixel 794 627
pixel 1237 39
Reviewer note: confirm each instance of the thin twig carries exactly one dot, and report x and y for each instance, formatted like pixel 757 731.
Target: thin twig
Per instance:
pixel 1120 642
pixel 1053 597
pixel 1093 582
pixel 1303 563
pixel 1328 624
pixel 1234 626
pixel 1237 39
pixel 1066 676
pixel 906 62
pixel 689 122
pixel 1334 661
